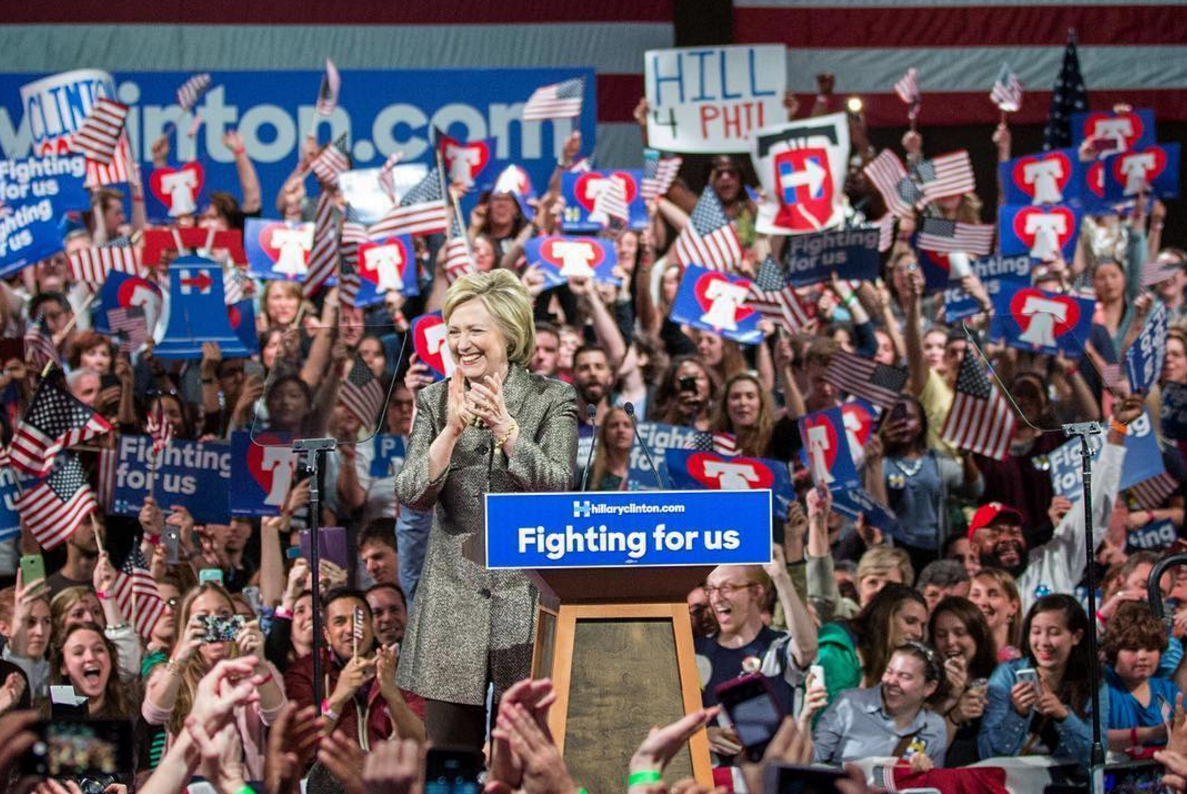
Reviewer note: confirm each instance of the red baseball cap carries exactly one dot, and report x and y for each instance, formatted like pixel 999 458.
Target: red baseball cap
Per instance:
pixel 988 513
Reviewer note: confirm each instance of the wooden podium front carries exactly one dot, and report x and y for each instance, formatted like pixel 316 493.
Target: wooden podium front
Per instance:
pixel 617 644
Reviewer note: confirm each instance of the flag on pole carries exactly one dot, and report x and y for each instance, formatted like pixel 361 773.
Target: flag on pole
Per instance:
pixel 459 259
pixel 354 234
pixel 137 594
pixel 708 239
pixel 54 507
pixel 422 211
pixel 129 324
pixel 773 298
pixel 946 175
pixel 1070 96
pixel 888 175
pixel 719 443
pixel 881 384
pixel 100 133
pixel 659 173
pixel 362 393
pixel 327 94
pixel 330 162
pixel 556 101
pixel 56 420
pixel 325 245
pixel 39 345
pixel 387 182
pixel 192 90
pixel 93 264
pixel 907 89
pixel 1007 91
pixel 945 236
pixel 980 419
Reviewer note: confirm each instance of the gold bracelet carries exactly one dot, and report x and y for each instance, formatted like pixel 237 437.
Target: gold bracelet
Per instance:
pixel 511 428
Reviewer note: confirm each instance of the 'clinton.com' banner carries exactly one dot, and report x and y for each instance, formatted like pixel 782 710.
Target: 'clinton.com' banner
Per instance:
pixel 380 112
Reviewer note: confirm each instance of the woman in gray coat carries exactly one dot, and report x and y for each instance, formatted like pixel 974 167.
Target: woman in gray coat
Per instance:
pixel 492 427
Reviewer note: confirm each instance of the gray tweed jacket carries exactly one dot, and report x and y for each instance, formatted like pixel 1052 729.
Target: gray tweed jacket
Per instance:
pixel 470 625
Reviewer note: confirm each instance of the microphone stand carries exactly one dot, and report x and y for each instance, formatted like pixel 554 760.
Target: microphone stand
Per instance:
pixel 630 412
pixel 591 416
pixel 315 450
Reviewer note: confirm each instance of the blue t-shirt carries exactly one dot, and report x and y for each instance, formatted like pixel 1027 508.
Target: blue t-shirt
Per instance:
pixel 717 664
pixel 1126 712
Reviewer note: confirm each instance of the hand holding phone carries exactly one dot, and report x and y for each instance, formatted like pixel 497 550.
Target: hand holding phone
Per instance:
pixel 32 569
pixel 752 708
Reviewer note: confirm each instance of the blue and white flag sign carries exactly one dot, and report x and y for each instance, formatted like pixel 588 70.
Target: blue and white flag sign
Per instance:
pixel 193 474
pixel 262 472
pixel 714 301
pixel 562 258
pixel 580 192
pixel 278 249
pixel 1045 233
pixel 10 517
pixel 1146 356
pixel 1054 177
pixel 1143 460
pixel 1031 319
pixel 34 194
pixel 993 272
pixel 658 437
pixel 696 469
pixel 850 253
pixel 641 528
pixel 1127 129
pixel 197 312
pixel 1152 170
pixel 826 450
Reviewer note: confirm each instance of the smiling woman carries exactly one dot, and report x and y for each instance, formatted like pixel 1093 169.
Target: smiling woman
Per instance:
pixel 87 660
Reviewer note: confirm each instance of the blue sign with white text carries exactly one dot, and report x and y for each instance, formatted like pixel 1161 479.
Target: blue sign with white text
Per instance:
pixel 389 455
pixel 1145 357
pixel 993 271
pixel 195 475
pixel 262 472
pixel 850 253
pixel 10 517
pixel 1142 460
pixel 34 195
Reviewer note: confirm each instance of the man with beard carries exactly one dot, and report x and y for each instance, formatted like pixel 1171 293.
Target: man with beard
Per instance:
pixel 592 378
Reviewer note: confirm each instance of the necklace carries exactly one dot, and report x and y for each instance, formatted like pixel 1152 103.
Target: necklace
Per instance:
pixel 909 469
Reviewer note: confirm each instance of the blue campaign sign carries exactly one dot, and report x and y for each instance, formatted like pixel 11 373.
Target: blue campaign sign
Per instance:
pixel 122 291
pixel 581 191
pixel 388 263
pixel 1152 170
pixel 826 450
pixel 993 271
pixel 431 345
pixel 850 253
pixel 1044 233
pixel 278 249
pixel 262 473
pixel 714 301
pixel 562 258
pixel 193 474
pixel 1174 411
pixel 1126 130
pixel 389 454
pixel 379 111
pixel 1147 354
pixel 242 316
pixel 10 517
pixel 614 530
pixel 34 195
pixel 1154 536
pixel 857 501
pixel 695 469
pixel 1143 460
pixel 1031 319
pixel 197 311
pixel 176 190
pixel 1054 177
pixel 658 437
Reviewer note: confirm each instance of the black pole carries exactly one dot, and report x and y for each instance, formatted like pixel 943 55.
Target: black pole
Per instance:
pixel 314 449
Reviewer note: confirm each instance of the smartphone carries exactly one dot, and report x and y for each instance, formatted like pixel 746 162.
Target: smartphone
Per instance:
pixel 817 673
pixel 1102 144
pixel 252 594
pixel 781 778
pixel 221 629
pixel 171 540
pixel 754 711
pixel 452 771
pixel 32 568
pixel 687 383
pixel 80 749
pixel 210 575
pixel 331 545
pixel 1030 676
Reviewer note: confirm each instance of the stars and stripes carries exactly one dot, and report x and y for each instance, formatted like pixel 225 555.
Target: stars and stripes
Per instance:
pixel 105 476
pixel 423 210
pixel 1152 494
pixel 658 175
pixel 459 259
pixel 610 203
pixel 1069 96
pixel 362 393
pixel 777 300
pixel 708 238
pixel 1007 91
pixel 137 595
pixel 354 234
pixel 101 132
pixel 888 175
pixel 556 101
pixel 330 162
pixel 39 345
pixel 945 236
pixel 325 245
pixel 359 627
pixel 129 324
pixel 192 90
pixel 387 180
pixel 54 507
pixel 980 419
pixel 118 171
pixel 55 421
pixel 234 284
pixel 881 384
pixel 327 93
pixel 93 264
pixel 719 443
pixel 907 89
pixel 947 175
pixel 885 231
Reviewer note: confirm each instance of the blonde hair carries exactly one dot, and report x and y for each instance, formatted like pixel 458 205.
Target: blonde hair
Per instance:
pixel 1007 583
pixel 194 668
pixel 64 601
pixel 508 303
pixel 881 559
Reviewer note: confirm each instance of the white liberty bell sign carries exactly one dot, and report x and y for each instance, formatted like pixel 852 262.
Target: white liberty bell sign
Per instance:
pixel 294 245
pixel 386 261
pixel 1047 229
pixel 1044 314
pixel 1045 176
pixel 575 256
pixel 181 186
pixel 726 298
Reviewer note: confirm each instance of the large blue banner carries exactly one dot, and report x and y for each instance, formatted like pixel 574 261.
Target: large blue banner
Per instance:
pixel 380 112
pixel 594 530
pixel 34 194
pixel 850 253
pixel 261 474
pixel 195 475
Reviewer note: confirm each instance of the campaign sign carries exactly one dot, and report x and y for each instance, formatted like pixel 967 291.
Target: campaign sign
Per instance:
pixel 123 290
pixel 1054 177
pixel 696 469
pixel 369 200
pixel 562 258
pixel 1158 535
pixel 176 190
pixel 1128 130
pixel 1044 233
pixel 859 416
pixel 1150 169
pixel 389 455
pixel 465 161
pixel 10 517
pixel 430 342
pixel 659 438
pixel 850 253
pixel 388 263
pixel 615 530
pixel 262 473
pixel 278 249
pixel 993 272
pixel 1174 411
pixel 712 99
pixel 1031 319
pixel 1143 460
pixel 714 301
pixel 857 501
pixel 34 194
pixel 827 457
pixel 242 317
pixel 581 192
pixel 1145 357
pixel 802 167
pixel 193 474
pixel 197 312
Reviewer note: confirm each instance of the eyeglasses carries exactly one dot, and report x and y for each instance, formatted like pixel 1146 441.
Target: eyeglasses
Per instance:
pixel 726 589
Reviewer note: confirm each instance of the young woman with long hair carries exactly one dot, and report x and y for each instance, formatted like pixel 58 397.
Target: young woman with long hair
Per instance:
pixel 612 460
pixel 995 593
pixel 747 412
pixel 963 640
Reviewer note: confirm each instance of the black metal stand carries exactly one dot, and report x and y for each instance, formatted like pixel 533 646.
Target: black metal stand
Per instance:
pixel 1097 760
pixel 315 450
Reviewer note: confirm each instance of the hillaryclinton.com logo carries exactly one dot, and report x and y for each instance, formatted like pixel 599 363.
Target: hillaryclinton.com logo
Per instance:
pixel 582 509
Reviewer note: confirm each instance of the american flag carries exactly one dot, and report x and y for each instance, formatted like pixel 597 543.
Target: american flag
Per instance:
pixel 557 101
pixel 885 231
pixel 1007 91
pixel 101 132
pixel 327 93
pixel 773 298
pixel 907 89
pixel 946 175
pixel 325 245
pixel 39 345
pixel 610 203
pixel 234 284
pixel 720 443
pixel 55 421
pixel 1152 494
pixel 887 174
pixel 54 507
pixel 1070 96
pixel 708 239
pixel 160 430
pixel 459 259
pixel 881 384
pixel 137 594
pixel 130 325
pixel 354 234
pixel 108 462
pixel 980 419
pixel 362 393
pixel 945 236
pixel 423 210
pixel 330 162
pixel 1155 272
pixel 387 182
pixel 358 629
pixel 93 264
pixel 659 173
pixel 192 90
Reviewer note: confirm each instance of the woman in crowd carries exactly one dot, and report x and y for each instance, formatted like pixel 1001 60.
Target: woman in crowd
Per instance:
pixel 612 459
pixel 93 351
pixel 1140 700
pixel 686 395
pixel 961 637
pixel 28 627
pixel 721 357
pixel 281 303
pixel 291 634
pixel 80 605
pixel 87 660
pixel 747 413
pixel 996 594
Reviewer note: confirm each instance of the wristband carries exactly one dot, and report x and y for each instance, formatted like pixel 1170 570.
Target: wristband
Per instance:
pixel 101 595
pixel 246 790
pixel 240 150
pixel 849 299
pixel 1149 516
pixel 646 776
pixel 282 613
pixel 1118 428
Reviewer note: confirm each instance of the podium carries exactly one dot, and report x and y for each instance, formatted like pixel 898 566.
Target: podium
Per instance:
pixel 612 625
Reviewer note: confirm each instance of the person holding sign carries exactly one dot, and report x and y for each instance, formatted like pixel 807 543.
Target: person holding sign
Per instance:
pixel 491 427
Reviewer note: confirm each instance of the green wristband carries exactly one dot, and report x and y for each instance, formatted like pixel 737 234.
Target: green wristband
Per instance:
pixel 646 776
pixel 246 790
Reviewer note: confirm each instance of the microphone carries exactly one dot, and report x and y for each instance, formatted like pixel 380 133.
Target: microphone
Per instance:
pixel 630 411
pixel 591 416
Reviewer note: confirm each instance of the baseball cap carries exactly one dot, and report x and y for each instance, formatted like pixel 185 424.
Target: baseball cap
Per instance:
pixel 988 513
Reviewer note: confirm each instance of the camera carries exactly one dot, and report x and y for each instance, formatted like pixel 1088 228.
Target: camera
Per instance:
pixel 91 752
pixel 687 383
pixel 221 629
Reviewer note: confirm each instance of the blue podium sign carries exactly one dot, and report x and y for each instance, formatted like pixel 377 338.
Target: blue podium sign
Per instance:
pixel 612 530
